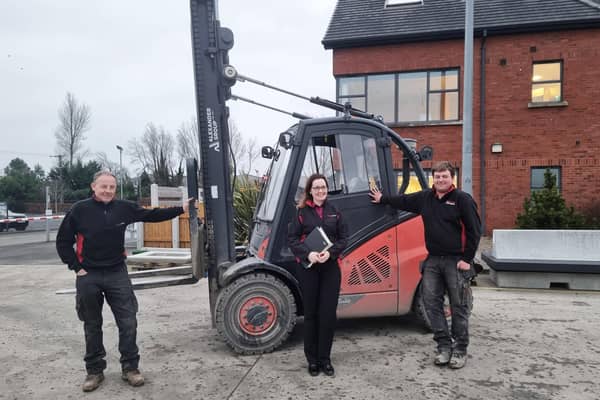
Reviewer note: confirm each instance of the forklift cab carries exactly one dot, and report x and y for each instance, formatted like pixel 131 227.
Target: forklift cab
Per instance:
pixel 354 154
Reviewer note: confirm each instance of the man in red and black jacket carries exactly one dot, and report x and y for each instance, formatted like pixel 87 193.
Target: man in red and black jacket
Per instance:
pixel 452 234
pixel 96 226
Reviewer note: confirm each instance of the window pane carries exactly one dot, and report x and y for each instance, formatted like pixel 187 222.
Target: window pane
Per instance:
pixel 443 106
pixel 412 96
pixel 443 80
pixel 352 86
pixel 357 102
pixel 450 110
pixel 541 92
pixel 380 96
pixel 546 72
pixel 537 177
pixel 435 106
pixel 370 151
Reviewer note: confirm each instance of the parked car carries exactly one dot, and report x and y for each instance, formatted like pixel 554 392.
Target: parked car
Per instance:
pixel 5 213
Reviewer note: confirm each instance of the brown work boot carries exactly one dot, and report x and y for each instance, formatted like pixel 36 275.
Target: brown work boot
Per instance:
pixel 92 381
pixel 134 377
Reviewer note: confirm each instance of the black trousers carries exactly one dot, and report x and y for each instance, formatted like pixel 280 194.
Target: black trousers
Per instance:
pixel 114 285
pixel 441 276
pixel 320 285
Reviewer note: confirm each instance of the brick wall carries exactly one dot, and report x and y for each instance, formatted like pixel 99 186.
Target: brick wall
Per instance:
pixel 567 136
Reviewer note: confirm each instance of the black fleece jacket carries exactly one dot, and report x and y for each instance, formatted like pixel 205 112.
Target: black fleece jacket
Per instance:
pixel 98 229
pixel 307 219
pixel 452 223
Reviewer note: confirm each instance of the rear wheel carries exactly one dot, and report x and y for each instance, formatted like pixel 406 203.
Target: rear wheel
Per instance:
pixel 20 227
pixel 256 313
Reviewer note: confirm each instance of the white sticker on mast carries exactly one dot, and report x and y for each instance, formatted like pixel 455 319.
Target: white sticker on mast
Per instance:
pixel 214 191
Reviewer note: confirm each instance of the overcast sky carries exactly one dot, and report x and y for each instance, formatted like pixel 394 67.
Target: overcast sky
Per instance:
pixel 130 61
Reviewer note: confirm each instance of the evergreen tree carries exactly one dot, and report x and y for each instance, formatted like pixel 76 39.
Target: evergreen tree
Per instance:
pixel 21 184
pixel 546 209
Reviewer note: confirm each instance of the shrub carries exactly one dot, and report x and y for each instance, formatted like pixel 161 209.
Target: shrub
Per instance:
pixel 546 209
pixel 245 196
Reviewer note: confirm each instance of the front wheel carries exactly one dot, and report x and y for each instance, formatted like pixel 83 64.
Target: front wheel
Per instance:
pixel 255 313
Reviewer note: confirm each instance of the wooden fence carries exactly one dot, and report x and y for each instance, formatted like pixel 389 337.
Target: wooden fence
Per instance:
pixel 161 234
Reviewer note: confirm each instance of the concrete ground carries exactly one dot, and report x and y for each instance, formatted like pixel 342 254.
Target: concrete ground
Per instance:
pixel 525 344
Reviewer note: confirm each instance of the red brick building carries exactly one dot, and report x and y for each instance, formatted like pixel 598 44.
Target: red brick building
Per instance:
pixel 536 88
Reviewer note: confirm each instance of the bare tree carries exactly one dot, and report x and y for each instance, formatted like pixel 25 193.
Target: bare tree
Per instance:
pixel 74 120
pixel 106 163
pixel 251 154
pixel 187 140
pixel 238 147
pixel 154 152
pixel 243 152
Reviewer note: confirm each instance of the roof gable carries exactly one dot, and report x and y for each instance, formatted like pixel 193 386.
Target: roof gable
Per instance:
pixel 368 22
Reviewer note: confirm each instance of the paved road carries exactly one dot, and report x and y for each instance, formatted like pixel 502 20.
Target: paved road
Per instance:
pixel 18 248
pixel 525 345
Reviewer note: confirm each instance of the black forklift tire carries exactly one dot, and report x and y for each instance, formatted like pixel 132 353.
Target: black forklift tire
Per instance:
pixel 419 308
pixel 420 311
pixel 255 313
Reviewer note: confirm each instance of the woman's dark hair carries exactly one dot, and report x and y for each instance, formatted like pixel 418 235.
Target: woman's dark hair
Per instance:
pixel 307 195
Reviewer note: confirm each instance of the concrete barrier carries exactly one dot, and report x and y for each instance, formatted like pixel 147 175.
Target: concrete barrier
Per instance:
pixel 545 258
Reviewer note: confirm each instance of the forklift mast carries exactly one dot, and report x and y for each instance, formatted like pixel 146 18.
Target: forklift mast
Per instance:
pixel 210 44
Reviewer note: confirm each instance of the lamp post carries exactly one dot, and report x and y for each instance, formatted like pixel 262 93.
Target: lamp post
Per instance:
pixel 120 169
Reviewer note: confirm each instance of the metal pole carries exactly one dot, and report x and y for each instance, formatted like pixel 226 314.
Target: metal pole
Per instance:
pixel 120 170
pixel 46 213
pixel 467 139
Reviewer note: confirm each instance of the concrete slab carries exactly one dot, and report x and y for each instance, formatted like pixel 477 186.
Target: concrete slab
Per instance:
pixel 525 344
pixel 546 244
pixel 545 280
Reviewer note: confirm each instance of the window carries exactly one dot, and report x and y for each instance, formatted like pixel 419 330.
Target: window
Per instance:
pixel 426 96
pixel 348 161
pixel 538 177
pixel 414 185
pixel 352 90
pixel 546 82
pixel 400 2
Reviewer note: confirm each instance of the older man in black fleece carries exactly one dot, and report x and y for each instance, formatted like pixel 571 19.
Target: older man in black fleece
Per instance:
pixel 96 226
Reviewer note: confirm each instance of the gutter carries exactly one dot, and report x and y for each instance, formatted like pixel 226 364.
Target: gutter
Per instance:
pixel 482 149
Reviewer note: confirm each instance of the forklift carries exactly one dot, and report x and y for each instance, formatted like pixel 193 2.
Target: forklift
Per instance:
pixel 255 299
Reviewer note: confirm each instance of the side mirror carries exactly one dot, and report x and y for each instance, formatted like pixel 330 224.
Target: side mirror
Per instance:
pixel 267 152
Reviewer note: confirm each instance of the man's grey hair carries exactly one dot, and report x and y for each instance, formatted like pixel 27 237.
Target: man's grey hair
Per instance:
pixel 103 172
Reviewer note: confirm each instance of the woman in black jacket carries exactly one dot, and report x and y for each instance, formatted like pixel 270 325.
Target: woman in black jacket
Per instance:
pixel 318 271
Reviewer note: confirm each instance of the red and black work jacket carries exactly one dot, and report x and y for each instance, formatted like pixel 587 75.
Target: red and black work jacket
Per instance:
pixel 98 229
pixel 308 218
pixel 452 223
